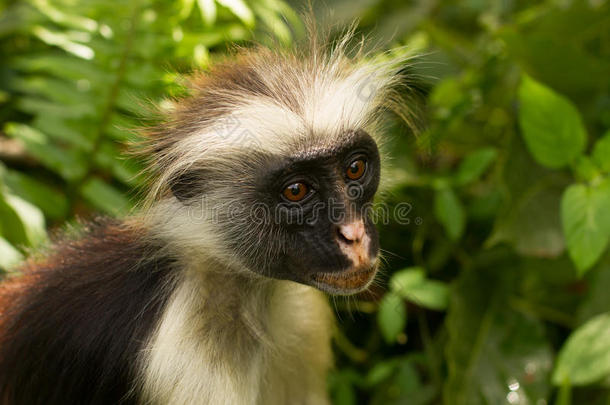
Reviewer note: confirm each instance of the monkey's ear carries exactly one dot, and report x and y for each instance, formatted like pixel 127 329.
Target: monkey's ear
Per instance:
pixel 187 185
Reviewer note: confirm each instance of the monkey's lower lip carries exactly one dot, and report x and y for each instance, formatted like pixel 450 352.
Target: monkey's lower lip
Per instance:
pixel 345 282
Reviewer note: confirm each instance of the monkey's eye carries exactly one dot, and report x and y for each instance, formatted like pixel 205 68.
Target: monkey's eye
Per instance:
pixel 296 192
pixel 356 169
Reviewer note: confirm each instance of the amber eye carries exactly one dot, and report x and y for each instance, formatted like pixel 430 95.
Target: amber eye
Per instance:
pixel 356 169
pixel 295 192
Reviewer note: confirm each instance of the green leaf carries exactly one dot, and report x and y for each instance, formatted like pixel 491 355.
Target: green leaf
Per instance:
pixel 241 10
pixel 4 96
pixel 403 387
pixel 586 222
pixel 62 66
pixel 31 218
pixel 585 356
pixel 105 197
pixel 186 7
pixel 11 226
pixel 584 169
pixel 59 16
pixel 530 218
pixel 551 125
pixel 412 285
pixel 399 381
pixel 430 294
pixel 52 202
pixel 380 372
pixel 474 165
pixel 493 350
pixel 407 278
pixel 61 130
pixel 64 92
pixel 601 152
pixel 208 11
pixel 38 106
pixel 63 41
pixel 450 213
pixel 66 162
pixel 275 23
pixel 21 222
pixel 392 316
pixel 539 43
pixel 9 256
pixel 287 13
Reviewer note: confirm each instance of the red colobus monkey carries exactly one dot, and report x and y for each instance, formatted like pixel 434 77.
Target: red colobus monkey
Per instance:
pixel 211 294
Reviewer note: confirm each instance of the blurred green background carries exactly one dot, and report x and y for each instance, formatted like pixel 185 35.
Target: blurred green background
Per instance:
pixel 497 291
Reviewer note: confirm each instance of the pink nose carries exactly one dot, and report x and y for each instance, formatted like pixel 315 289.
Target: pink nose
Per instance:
pixel 354 243
pixel 352 233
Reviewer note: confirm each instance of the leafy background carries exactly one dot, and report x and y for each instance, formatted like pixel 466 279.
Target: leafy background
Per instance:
pixel 495 292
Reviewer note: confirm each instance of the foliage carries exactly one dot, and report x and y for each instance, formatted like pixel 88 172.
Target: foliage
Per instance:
pixel 77 78
pixel 496 290
pixel 508 183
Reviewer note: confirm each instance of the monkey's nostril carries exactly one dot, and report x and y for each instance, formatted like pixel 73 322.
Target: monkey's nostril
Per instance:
pixel 343 238
pixel 352 232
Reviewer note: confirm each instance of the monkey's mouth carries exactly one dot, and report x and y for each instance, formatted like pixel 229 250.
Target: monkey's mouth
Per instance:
pixel 345 282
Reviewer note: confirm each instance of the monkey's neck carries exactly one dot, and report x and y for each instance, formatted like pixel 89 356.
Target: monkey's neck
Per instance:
pixel 240 335
pixel 230 300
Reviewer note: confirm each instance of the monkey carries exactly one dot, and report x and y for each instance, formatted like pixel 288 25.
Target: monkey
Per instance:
pixel 216 290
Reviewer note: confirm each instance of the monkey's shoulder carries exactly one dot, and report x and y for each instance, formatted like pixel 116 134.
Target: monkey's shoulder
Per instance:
pixel 72 324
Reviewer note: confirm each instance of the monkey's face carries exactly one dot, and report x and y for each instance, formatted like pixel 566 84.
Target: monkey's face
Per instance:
pixel 299 214
pixel 308 215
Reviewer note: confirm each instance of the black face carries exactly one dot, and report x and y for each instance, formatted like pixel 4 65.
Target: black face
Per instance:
pixel 307 218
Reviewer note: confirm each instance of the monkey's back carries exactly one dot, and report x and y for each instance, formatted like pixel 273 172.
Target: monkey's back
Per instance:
pixel 72 324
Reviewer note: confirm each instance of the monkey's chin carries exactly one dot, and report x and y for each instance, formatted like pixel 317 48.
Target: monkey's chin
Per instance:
pixel 347 282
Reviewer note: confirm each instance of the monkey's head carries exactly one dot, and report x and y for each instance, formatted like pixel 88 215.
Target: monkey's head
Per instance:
pixel 272 164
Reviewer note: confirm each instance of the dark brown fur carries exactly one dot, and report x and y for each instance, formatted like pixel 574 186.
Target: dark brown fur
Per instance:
pixel 71 326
